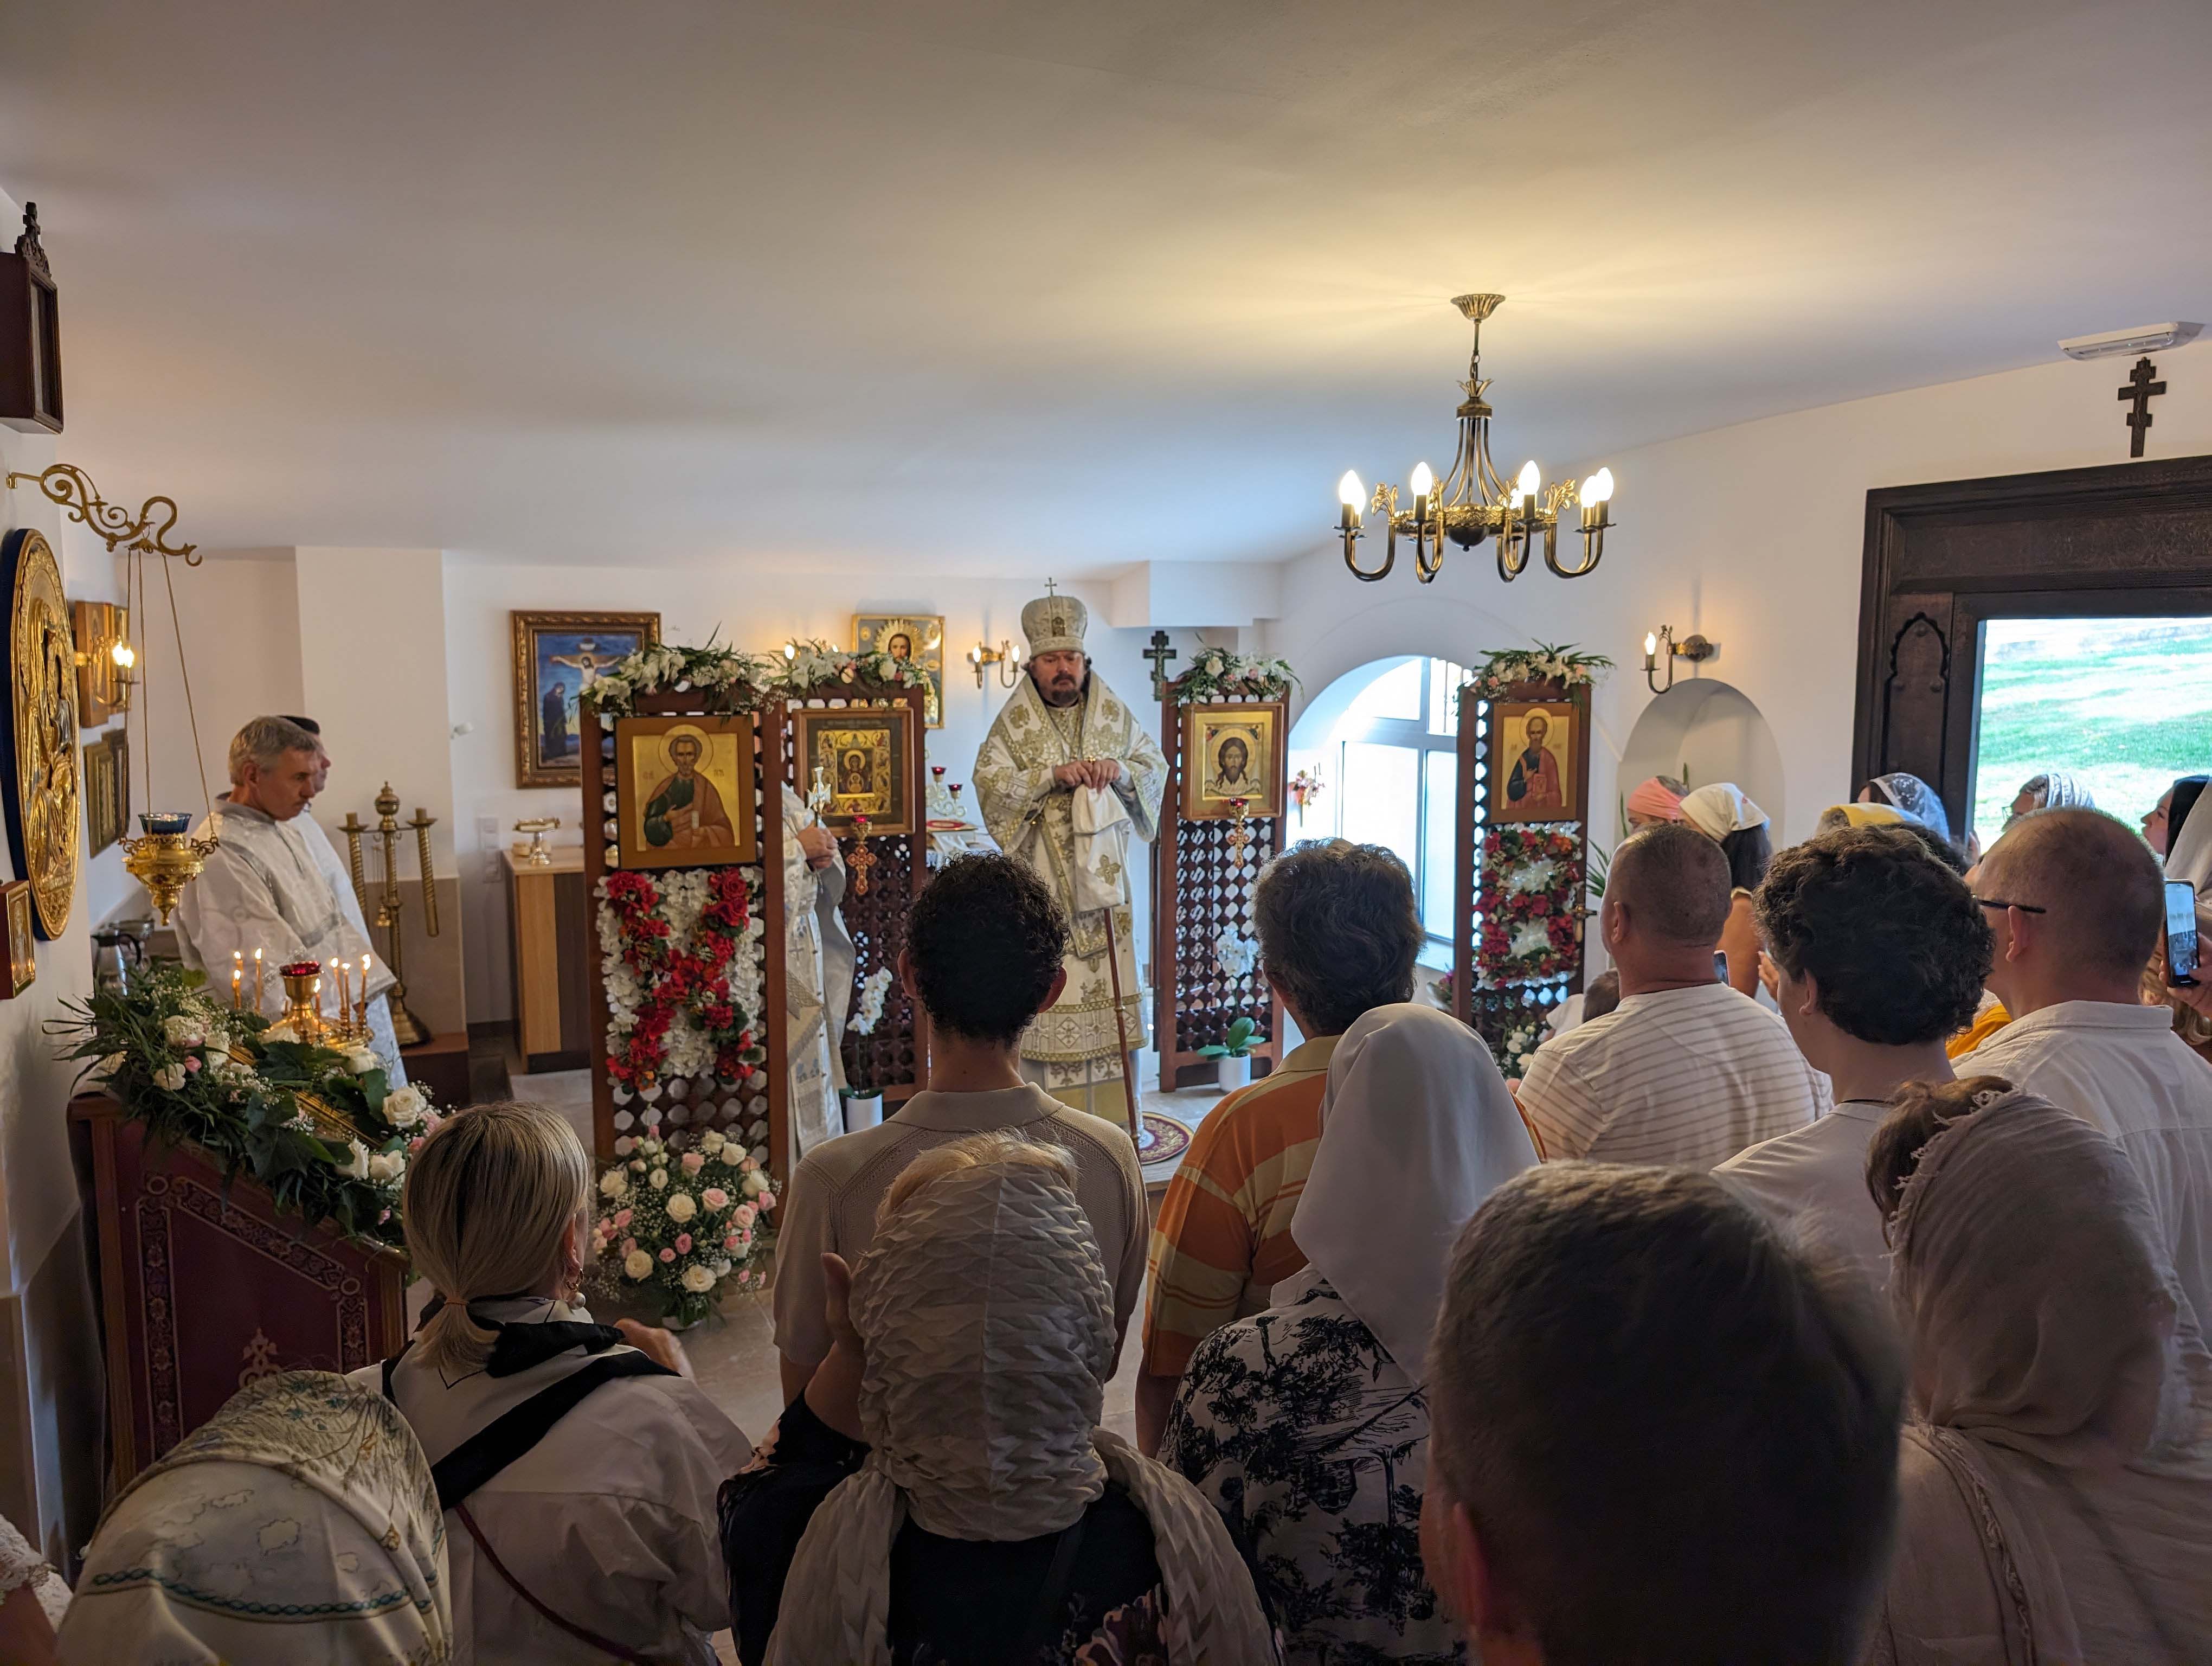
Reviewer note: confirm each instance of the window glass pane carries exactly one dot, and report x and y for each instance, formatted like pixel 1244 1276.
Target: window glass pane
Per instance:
pixel 1439 818
pixel 1396 693
pixel 1381 801
pixel 1445 679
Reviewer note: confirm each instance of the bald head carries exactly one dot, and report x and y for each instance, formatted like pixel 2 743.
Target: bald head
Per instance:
pixel 1673 881
pixel 2095 879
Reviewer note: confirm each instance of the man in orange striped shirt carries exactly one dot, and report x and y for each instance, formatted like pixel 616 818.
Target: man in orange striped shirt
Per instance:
pixel 1339 932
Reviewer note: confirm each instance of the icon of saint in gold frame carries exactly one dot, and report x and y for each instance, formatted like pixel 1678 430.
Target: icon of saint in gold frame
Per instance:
pixel 683 792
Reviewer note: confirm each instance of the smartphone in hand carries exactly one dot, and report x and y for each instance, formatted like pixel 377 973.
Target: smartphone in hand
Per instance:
pixel 2180 933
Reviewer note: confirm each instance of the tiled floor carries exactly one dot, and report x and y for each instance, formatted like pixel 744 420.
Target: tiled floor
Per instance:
pixel 734 1353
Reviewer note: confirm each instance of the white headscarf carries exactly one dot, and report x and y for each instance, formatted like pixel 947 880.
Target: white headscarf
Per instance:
pixel 989 1330
pixel 1417 1129
pixel 1720 809
pixel 2189 852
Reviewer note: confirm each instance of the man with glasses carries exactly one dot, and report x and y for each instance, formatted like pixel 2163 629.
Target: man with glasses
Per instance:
pixel 2075 901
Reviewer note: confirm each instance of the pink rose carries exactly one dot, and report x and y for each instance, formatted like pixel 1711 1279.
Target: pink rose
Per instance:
pixel 191 1062
pixel 693 1161
pixel 768 1200
pixel 715 1197
pixel 731 1241
pixel 629 1244
pixel 667 1254
pixel 683 1244
pixel 744 1215
pixel 621 1219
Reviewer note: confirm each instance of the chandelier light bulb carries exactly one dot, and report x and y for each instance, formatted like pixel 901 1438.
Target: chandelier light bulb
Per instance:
pixel 1598 488
pixel 1349 491
pixel 1531 478
pixel 1651 644
pixel 1424 481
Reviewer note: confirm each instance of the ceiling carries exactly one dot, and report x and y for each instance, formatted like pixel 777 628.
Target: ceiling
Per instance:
pixel 996 286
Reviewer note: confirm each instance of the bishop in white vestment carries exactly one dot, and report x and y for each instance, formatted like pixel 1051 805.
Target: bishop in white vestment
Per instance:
pixel 275 882
pixel 1066 781
pixel 817 971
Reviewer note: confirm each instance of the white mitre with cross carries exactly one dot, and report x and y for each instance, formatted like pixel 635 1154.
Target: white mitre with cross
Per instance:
pixel 1055 623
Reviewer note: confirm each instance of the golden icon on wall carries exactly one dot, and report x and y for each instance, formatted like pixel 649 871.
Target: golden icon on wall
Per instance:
pixel 22 966
pixel 41 777
pixel 915 638
pixel 683 792
pixel 1232 752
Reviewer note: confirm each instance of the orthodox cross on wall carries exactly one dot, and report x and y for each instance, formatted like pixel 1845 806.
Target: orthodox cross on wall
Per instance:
pixel 2139 390
pixel 1161 656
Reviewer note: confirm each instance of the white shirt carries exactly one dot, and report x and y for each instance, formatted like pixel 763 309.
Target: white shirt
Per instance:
pixel 2124 1068
pixel 610 1521
pixel 1684 1077
pixel 1814 1184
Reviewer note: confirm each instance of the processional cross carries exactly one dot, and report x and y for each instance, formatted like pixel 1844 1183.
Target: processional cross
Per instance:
pixel 1161 656
pixel 2140 388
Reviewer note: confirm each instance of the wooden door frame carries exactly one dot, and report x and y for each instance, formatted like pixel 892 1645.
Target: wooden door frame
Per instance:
pixel 2119 538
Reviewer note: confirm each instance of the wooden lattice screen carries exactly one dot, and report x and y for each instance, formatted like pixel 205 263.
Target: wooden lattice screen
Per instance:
pixel 684 1106
pixel 891 1058
pixel 1494 1009
pixel 1201 887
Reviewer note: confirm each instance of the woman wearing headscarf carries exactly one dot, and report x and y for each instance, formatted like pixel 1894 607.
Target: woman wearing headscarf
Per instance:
pixel 1915 797
pixel 1308 1425
pixel 2049 789
pixel 2055 1484
pixel 2170 815
pixel 298 1526
pixel 1724 815
pixel 1656 798
pixel 1858 815
pixel 944 1477
pixel 577 1472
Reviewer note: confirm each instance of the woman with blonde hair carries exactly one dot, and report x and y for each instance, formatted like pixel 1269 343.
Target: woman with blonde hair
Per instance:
pixel 575 1462
pixel 942 1492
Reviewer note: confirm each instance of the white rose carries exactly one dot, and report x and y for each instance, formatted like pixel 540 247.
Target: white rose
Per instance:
pixel 680 1207
pixel 732 1153
pixel 357 1164
pixel 614 1184
pixel 753 1184
pixel 185 1031
pixel 636 1264
pixel 170 1076
pixel 698 1279
pixel 361 1061
pixel 406 1106
pixel 387 1165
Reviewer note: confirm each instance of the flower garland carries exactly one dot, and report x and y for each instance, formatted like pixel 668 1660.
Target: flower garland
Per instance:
pixel 1217 674
pixel 1532 887
pixel 316 1128
pixel 809 666
pixel 1547 662
pixel 729 680
pixel 678 1224
pixel 680 958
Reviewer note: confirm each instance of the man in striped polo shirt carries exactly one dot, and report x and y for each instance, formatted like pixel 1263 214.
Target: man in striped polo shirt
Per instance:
pixel 1685 1071
pixel 1339 932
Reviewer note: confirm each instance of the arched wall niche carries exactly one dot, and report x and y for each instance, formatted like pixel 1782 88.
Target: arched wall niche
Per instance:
pixel 1712 731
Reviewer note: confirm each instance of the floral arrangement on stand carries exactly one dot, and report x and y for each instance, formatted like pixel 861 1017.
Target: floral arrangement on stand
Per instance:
pixel 682 961
pixel 315 1127
pixel 812 665
pixel 676 1225
pixel 1520 1048
pixel 1217 674
pixel 1503 668
pixel 1236 954
pixel 1532 884
pixel 730 681
pixel 868 1008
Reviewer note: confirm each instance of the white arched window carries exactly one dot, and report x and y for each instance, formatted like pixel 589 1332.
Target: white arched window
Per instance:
pixel 1389 765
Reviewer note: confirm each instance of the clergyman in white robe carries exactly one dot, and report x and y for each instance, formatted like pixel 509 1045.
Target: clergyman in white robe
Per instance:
pixel 818 958
pixel 279 887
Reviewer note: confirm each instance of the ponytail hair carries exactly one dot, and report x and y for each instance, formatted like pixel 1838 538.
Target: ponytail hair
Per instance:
pixel 486 1200
pixel 1918 1112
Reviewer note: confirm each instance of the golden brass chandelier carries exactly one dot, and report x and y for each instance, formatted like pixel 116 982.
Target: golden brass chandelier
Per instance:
pixel 1473 502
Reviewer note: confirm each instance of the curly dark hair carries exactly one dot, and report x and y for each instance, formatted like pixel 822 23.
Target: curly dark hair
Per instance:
pixel 1891 937
pixel 1338 930
pixel 984 940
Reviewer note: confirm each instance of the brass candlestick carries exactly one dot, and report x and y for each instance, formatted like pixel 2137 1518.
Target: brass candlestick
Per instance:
pixel 303 1001
pixel 408 1030
pixel 538 854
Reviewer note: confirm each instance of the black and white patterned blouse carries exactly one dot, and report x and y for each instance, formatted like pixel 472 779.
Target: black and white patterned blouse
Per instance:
pixel 1313 1446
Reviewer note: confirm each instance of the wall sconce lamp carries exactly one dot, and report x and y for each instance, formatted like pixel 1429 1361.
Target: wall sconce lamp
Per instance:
pixel 1694 647
pixel 1002 656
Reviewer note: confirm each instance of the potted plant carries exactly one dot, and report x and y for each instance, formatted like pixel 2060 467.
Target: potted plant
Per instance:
pixel 1232 1054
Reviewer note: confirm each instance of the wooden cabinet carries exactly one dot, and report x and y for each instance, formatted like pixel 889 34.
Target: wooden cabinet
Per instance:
pixel 549 913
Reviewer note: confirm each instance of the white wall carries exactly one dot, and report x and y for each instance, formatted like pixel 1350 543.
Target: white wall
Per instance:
pixel 1753 535
pixel 756 612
